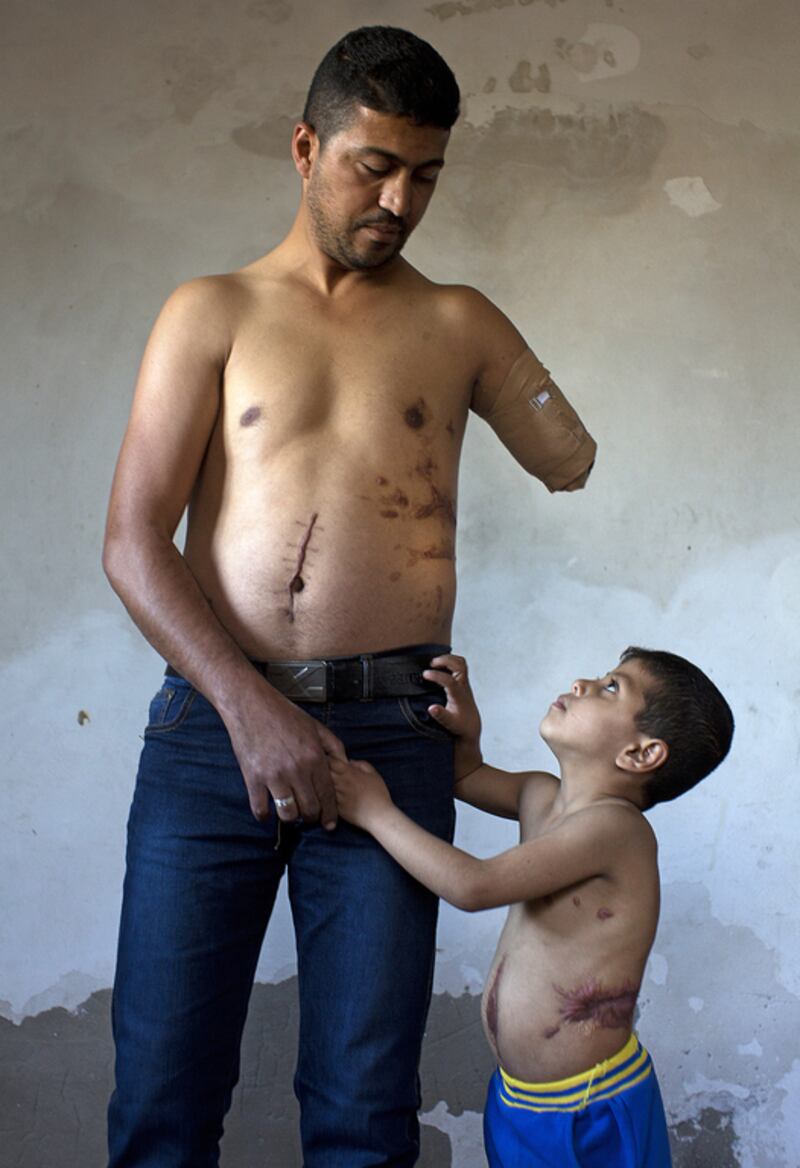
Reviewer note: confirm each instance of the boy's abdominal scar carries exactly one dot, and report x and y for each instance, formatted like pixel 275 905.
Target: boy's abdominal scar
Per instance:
pixel 491 1005
pixel 596 1007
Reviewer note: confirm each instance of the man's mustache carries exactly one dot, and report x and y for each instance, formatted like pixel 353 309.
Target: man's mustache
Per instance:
pixel 385 219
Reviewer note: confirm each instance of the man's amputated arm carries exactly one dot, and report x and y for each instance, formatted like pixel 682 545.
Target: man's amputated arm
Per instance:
pixel 174 411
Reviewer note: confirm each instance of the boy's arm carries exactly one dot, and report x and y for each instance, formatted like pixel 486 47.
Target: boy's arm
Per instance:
pixel 582 847
pixel 486 787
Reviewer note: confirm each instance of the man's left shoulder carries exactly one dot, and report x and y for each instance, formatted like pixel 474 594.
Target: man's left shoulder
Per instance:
pixel 464 302
pixel 479 323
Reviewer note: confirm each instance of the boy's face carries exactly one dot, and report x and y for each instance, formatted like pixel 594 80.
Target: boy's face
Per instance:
pixel 598 718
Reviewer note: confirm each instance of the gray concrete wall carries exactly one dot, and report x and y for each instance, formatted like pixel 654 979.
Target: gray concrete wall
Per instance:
pixel 624 184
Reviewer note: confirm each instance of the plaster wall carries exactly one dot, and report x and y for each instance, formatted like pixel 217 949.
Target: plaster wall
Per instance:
pixel 623 183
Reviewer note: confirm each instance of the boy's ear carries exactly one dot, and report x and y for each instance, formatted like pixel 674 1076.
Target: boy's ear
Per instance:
pixel 643 757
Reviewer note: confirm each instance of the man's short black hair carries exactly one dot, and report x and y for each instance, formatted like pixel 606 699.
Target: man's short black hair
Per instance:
pixel 688 712
pixel 386 69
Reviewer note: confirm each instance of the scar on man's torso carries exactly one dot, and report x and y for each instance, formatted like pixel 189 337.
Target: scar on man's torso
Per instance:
pixel 297 582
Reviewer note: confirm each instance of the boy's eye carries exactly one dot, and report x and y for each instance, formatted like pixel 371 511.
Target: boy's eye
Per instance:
pixel 374 169
pixel 612 685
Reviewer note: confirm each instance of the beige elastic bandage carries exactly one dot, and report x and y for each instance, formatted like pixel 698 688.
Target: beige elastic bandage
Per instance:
pixel 536 423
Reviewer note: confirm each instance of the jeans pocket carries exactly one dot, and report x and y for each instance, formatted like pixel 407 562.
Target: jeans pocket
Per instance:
pixel 170 706
pixel 415 712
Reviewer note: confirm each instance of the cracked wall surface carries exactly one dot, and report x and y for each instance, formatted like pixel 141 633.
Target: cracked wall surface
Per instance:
pixel 623 183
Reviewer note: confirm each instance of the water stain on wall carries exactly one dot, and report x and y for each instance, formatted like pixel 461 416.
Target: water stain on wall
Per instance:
pixel 192 80
pixel 449 8
pixel 58 1071
pixel 711 1138
pixel 272 11
pixel 270 138
pixel 586 147
pixel 521 80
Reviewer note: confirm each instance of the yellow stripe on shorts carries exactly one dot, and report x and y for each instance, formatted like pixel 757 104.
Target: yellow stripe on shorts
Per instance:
pixel 629 1066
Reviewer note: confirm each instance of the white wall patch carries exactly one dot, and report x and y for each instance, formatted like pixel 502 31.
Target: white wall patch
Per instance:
pixel 604 50
pixel 464 1131
pixel 657 969
pixel 690 194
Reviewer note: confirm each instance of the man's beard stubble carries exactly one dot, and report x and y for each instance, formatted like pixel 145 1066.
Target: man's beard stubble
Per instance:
pixel 338 246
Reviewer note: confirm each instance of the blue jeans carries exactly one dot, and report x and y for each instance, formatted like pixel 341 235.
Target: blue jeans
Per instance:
pixel 201 880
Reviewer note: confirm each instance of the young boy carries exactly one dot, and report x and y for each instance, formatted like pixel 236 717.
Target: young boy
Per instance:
pixel 574 1088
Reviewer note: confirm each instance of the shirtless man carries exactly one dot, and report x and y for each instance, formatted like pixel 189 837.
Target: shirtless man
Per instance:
pixel 309 410
pixel 573 1085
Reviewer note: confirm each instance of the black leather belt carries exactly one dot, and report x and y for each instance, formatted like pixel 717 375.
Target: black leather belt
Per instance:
pixel 342 679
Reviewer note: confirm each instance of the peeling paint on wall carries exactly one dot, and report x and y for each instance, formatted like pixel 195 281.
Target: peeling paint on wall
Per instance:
pixel 691 195
pixel 588 146
pixel 604 50
pixel 450 8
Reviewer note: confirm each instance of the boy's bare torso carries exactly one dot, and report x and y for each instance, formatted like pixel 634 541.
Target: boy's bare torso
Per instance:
pixel 323 518
pixel 562 988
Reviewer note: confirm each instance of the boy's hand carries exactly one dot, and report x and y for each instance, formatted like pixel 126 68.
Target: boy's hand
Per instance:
pixel 361 793
pixel 460 715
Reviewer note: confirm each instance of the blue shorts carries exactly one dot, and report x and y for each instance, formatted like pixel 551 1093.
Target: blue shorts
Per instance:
pixel 609 1117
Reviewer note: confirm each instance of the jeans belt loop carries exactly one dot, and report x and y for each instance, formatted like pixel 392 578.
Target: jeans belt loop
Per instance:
pixel 366 678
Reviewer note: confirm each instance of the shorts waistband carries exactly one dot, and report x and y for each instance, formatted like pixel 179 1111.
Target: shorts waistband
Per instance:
pixel 392 673
pixel 624 1070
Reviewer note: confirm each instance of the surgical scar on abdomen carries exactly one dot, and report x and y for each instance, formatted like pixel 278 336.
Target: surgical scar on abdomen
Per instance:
pixel 595 1007
pixel 297 583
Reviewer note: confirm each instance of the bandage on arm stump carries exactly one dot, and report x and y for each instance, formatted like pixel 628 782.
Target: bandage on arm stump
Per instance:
pixel 537 425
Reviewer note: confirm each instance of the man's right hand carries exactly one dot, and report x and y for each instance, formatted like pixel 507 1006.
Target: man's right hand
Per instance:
pixel 283 752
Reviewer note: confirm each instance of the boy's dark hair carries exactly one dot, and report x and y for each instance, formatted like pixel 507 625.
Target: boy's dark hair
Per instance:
pixel 689 713
pixel 386 69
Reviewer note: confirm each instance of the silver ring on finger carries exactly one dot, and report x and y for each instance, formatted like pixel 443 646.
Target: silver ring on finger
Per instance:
pixel 287 802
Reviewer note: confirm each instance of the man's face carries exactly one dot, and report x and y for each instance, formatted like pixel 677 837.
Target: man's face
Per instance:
pixel 597 718
pixel 370 185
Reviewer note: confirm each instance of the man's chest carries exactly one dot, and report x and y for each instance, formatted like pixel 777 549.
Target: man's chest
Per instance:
pixel 372 375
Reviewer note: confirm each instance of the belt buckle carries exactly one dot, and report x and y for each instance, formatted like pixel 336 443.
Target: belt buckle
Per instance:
pixel 306 681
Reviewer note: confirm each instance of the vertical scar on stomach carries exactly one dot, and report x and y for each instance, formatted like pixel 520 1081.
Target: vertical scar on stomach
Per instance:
pixel 297 583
